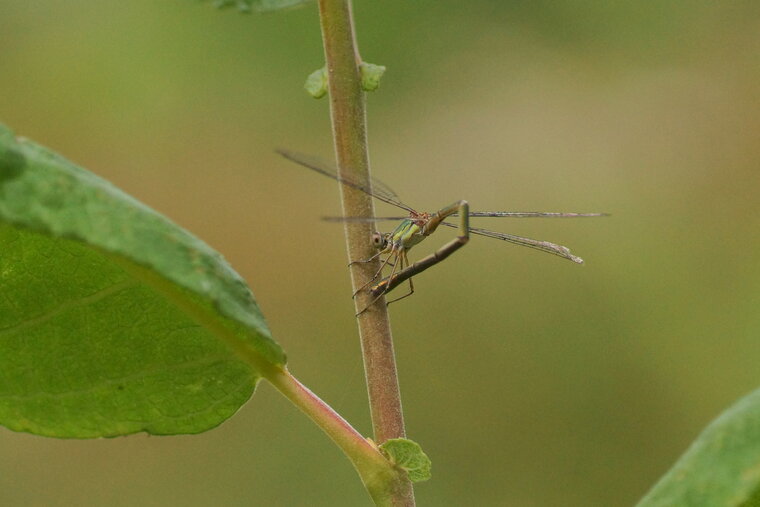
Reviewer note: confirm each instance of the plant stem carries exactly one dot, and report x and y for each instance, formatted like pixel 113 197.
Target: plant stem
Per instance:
pixel 380 478
pixel 347 111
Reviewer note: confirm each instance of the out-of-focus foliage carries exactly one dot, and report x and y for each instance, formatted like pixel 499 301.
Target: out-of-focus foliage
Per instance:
pixel 258 5
pixel 722 467
pixel 529 380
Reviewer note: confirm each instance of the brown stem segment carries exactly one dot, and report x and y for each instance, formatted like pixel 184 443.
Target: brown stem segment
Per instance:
pixel 347 110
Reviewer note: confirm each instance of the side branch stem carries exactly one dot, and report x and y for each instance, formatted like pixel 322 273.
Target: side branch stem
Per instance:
pixel 379 477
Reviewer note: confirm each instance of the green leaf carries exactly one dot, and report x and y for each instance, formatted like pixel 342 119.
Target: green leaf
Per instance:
pixel 722 466
pixel 316 83
pixel 258 5
pixel 408 455
pixel 113 319
pixel 371 75
pixel 274 5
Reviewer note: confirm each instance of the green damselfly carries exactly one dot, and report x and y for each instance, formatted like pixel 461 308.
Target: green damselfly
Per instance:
pixel 415 227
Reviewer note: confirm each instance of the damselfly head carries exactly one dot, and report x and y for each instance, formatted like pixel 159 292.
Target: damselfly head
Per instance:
pixel 379 240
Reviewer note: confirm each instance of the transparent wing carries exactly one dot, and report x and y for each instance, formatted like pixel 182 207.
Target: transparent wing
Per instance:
pixel 363 219
pixel 544 246
pixel 508 214
pixel 532 214
pixel 376 189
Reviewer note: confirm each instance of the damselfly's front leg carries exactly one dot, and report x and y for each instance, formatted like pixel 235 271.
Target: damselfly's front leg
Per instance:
pixel 401 256
pixel 462 208
pixel 365 261
pixel 379 271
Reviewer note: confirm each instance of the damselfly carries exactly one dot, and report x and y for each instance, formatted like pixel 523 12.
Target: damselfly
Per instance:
pixel 415 227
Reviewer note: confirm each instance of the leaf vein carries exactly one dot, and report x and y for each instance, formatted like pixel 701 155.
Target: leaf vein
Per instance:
pixel 68 305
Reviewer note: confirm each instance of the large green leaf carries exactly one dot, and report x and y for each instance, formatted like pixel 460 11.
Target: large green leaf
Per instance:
pixel 721 468
pixel 113 319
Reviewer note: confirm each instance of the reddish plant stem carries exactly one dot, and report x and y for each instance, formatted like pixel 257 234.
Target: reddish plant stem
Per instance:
pixel 348 114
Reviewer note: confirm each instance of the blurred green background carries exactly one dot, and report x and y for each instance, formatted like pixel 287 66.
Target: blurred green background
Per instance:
pixel 528 380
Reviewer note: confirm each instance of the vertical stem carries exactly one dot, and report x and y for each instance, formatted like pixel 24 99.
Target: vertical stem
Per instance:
pixel 347 110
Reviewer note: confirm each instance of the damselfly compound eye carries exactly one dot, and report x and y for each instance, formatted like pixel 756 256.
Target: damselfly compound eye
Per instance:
pixel 378 240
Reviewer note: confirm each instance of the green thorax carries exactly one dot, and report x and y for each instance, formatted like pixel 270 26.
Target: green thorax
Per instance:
pixel 407 234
